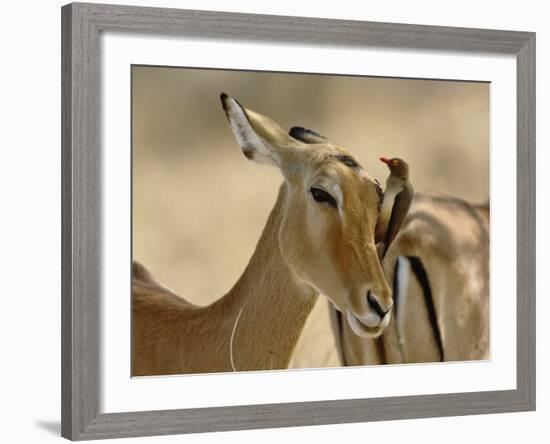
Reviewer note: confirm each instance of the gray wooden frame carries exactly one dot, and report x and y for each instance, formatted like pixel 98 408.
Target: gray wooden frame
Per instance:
pixel 81 231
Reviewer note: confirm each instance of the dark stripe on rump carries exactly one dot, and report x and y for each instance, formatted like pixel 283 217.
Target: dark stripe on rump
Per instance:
pixel 422 278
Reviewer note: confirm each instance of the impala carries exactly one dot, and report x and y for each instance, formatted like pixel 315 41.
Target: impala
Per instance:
pixel 319 238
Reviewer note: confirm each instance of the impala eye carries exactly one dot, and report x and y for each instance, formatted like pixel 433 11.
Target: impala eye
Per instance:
pixel 322 196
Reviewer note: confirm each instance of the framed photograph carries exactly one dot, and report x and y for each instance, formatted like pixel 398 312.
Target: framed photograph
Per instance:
pixel 278 221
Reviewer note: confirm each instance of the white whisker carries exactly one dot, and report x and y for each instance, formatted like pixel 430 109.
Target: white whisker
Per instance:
pixel 231 340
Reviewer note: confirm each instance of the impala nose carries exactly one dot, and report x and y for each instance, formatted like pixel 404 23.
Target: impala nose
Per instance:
pixel 375 304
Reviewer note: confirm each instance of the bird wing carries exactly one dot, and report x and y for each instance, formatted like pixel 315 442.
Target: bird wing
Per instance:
pixel 400 208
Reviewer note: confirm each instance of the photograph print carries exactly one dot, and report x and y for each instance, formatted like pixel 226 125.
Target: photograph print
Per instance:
pixel 306 221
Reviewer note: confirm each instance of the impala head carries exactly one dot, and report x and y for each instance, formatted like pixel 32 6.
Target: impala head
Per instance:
pixel 329 215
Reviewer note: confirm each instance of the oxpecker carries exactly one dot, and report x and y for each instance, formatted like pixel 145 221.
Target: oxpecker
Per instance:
pixel 395 204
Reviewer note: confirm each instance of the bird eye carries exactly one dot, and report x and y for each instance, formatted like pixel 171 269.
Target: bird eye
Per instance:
pixel 322 196
pixel 395 162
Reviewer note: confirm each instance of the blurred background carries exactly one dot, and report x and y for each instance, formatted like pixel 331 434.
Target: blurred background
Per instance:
pixel 199 205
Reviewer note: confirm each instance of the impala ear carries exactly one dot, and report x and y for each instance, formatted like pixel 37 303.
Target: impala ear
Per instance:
pixel 260 138
pixel 306 135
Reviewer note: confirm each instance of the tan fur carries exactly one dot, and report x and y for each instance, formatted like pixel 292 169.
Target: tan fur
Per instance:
pixel 452 239
pixel 306 248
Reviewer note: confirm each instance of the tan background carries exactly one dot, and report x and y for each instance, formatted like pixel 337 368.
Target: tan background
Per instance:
pixel 199 206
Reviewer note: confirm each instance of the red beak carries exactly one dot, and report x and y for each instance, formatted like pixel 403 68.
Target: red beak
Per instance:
pixel 385 160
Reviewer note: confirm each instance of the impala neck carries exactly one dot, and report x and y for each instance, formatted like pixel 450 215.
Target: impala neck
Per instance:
pixel 270 303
